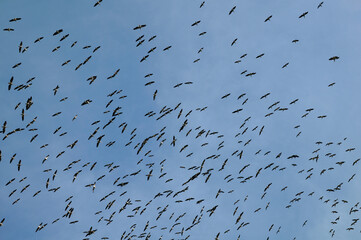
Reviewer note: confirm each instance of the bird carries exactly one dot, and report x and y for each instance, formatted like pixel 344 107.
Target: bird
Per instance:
pixel 17 65
pixel 334 58
pixel 268 19
pixel 167 48
pixel 97 3
pixel 303 15
pixel 285 65
pixel 139 27
pixel 19 165
pixel 57 32
pixel 10 83
pixel 15 19
pixel 232 10
pixel 195 23
pixel 20 46
pixel 64 37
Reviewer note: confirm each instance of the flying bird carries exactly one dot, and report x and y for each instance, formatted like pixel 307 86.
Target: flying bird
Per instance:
pixel 15 19
pixel 232 10
pixel 139 27
pixel 97 3
pixel 57 32
pixel 303 15
pixel 268 19
pixel 334 58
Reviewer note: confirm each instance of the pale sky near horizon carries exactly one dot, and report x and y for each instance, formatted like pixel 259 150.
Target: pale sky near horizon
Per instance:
pixel 324 32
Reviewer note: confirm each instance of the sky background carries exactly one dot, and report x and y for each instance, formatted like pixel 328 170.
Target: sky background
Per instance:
pixel 332 30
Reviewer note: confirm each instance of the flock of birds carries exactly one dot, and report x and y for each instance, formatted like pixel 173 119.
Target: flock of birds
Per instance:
pixel 175 162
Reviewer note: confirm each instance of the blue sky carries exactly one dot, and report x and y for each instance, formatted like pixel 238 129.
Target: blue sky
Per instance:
pixel 331 30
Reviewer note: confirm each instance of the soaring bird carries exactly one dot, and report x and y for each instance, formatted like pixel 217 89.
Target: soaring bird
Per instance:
pixel 97 3
pixel 167 48
pixel 334 58
pixel 196 23
pixel 139 27
pixel 149 175
pixel 285 65
pixel 38 39
pixel 64 37
pixel 19 165
pixel 268 19
pixel 55 90
pixel 57 32
pixel 232 10
pixel 150 39
pixel 20 46
pixel 14 19
pixel 303 15
pixel 10 83
pixel 234 41
pixel 17 65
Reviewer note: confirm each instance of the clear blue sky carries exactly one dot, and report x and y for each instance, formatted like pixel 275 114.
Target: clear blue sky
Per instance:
pixel 331 30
